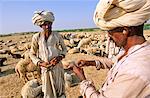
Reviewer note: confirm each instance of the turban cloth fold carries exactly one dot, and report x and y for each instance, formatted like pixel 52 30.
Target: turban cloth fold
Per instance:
pixel 40 17
pixel 110 14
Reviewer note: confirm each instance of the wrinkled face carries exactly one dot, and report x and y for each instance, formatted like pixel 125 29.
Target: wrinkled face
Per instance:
pixel 119 36
pixel 47 26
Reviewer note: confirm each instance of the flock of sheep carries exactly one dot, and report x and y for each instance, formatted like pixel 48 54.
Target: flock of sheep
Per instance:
pixel 87 43
pixel 75 43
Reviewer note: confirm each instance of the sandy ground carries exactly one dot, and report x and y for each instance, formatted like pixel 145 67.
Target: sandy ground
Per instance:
pixel 11 84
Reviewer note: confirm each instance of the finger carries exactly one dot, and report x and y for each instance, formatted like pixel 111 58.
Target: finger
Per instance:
pixel 47 63
pixel 83 62
pixel 79 65
pixel 70 67
pixel 79 62
pixel 43 65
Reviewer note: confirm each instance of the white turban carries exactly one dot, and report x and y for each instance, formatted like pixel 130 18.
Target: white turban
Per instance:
pixel 41 16
pixel 110 14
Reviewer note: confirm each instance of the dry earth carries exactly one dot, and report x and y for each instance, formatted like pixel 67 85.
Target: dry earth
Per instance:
pixel 11 84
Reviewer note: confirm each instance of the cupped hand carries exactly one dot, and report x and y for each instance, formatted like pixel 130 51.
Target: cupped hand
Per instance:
pixel 43 64
pixel 54 61
pixel 79 72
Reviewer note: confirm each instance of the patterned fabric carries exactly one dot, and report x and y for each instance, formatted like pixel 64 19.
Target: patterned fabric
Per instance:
pixel 42 50
pixel 110 14
pixel 128 78
pixel 41 16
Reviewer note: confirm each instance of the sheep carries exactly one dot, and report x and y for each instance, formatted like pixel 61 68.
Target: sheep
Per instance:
pixel 2 60
pixel 24 66
pixel 27 46
pixel 74 50
pixel 32 89
pixel 68 79
pixel 85 41
pixel 16 56
pixel 26 54
pixel 4 51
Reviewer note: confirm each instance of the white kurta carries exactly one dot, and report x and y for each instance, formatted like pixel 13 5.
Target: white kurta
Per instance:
pixel 42 50
pixel 128 78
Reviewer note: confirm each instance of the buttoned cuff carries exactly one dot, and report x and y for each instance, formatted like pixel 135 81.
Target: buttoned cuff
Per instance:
pixel 87 88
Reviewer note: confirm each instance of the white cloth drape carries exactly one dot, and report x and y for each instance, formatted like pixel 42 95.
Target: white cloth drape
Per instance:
pixel 110 14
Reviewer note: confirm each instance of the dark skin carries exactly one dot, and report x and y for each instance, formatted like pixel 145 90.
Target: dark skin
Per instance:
pixel 47 30
pixel 86 63
pixel 52 62
pixel 121 38
pixel 78 70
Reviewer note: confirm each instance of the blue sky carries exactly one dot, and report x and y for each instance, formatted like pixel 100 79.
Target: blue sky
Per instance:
pixel 15 15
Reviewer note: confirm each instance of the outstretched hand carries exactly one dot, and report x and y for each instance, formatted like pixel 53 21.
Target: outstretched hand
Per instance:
pixel 77 70
pixel 82 63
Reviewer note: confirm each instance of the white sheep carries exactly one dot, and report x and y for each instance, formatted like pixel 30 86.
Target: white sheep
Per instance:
pixel 24 66
pixel 68 79
pixel 85 41
pixel 26 54
pixel 32 89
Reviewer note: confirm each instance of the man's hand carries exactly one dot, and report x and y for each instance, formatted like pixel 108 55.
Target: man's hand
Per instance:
pixel 43 64
pixel 59 58
pixel 55 60
pixel 77 70
pixel 82 63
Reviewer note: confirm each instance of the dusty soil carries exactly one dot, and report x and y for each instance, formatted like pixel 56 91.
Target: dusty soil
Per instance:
pixel 11 84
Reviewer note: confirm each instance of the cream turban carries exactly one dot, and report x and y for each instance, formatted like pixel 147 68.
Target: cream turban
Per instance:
pixel 110 14
pixel 41 16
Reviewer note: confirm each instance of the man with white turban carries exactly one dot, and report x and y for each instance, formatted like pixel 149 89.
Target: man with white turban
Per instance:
pixel 47 51
pixel 129 77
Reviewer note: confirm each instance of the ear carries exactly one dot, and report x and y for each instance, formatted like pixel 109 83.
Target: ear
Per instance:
pixel 126 31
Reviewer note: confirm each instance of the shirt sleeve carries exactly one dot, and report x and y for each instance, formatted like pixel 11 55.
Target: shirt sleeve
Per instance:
pixel 34 49
pixel 124 86
pixel 63 46
pixel 103 63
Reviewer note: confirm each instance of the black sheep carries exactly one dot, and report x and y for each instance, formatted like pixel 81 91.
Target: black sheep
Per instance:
pixel 16 56
pixel 2 60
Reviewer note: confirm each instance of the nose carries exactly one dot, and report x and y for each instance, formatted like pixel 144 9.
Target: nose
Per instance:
pixel 46 26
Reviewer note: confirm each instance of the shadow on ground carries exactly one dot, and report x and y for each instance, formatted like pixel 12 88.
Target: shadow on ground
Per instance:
pixel 7 72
